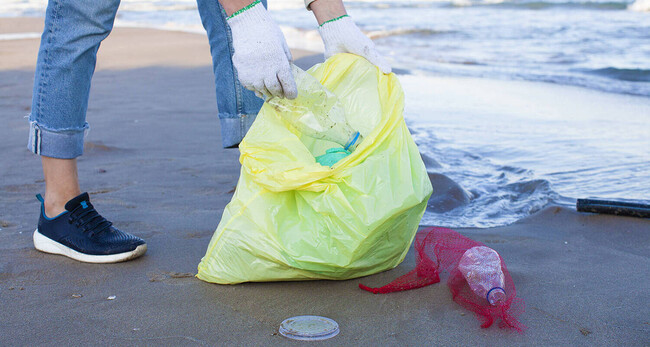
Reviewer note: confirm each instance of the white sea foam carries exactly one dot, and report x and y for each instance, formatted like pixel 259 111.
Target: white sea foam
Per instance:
pixel 145 6
pixel 640 6
pixel 196 28
pixel 462 3
pixel 19 36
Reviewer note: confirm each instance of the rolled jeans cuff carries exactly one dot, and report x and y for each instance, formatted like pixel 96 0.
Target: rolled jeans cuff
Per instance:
pixel 234 127
pixel 61 144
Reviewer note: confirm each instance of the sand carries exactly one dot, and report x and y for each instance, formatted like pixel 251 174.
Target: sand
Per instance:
pixel 155 167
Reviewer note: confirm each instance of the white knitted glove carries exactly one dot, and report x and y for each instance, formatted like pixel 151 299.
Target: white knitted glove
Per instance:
pixel 261 53
pixel 341 35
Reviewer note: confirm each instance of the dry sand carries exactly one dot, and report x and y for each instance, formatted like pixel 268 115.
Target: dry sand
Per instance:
pixel 154 165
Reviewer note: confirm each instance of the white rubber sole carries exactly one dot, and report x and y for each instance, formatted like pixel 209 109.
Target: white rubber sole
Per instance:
pixel 47 245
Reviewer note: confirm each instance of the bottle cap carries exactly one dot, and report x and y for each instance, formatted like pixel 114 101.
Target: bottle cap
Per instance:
pixel 496 296
pixel 309 328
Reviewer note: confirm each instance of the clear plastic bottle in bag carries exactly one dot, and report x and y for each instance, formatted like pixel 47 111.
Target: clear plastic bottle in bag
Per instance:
pixel 316 112
pixel 481 267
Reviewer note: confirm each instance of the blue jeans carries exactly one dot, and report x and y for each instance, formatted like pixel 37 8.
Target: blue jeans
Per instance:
pixel 73 32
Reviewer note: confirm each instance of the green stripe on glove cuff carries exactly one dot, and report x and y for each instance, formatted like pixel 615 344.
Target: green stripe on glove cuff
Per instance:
pixel 333 20
pixel 246 8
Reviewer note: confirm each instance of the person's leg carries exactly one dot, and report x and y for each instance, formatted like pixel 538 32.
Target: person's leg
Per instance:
pixel 61 184
pixel 237 106
pixel 73 32
pixel 69 224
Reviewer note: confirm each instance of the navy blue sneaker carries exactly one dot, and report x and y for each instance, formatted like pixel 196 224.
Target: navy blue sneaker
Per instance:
pixel 81 233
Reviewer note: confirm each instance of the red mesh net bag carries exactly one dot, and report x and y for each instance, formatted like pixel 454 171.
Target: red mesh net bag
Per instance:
pixel 478 277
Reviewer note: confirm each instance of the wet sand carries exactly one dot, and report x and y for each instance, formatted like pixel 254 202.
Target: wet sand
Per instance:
pixel 154 165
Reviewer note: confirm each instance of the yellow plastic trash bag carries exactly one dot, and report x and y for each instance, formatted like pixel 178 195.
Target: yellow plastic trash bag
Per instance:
pixel 294 219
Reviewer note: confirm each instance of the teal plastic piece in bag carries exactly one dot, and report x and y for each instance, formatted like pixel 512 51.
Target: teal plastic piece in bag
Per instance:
pixel 332 156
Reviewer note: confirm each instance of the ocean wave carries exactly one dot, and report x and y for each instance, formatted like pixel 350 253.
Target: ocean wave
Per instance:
pixel 486 205
pixel 378 34
pixel 471 191
pixel 609 79
pixel 631 75
pixel 640 5
pixel 541 5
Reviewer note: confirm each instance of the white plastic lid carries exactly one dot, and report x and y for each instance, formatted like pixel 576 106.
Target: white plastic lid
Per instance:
pixel 309 328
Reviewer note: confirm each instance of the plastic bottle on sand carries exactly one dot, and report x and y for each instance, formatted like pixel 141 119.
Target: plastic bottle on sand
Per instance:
pixel 481 267
pixel 316 112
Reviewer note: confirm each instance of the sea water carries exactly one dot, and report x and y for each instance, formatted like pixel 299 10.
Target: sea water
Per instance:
pixel 508 146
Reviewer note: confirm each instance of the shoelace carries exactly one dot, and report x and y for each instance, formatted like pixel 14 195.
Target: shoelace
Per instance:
pixel 94 223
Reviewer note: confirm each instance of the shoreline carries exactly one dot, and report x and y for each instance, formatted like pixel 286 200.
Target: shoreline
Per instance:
pixel 154 166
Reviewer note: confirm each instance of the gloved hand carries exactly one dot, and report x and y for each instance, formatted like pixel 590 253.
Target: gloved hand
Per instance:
pixel 261 53
pixel 341 35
